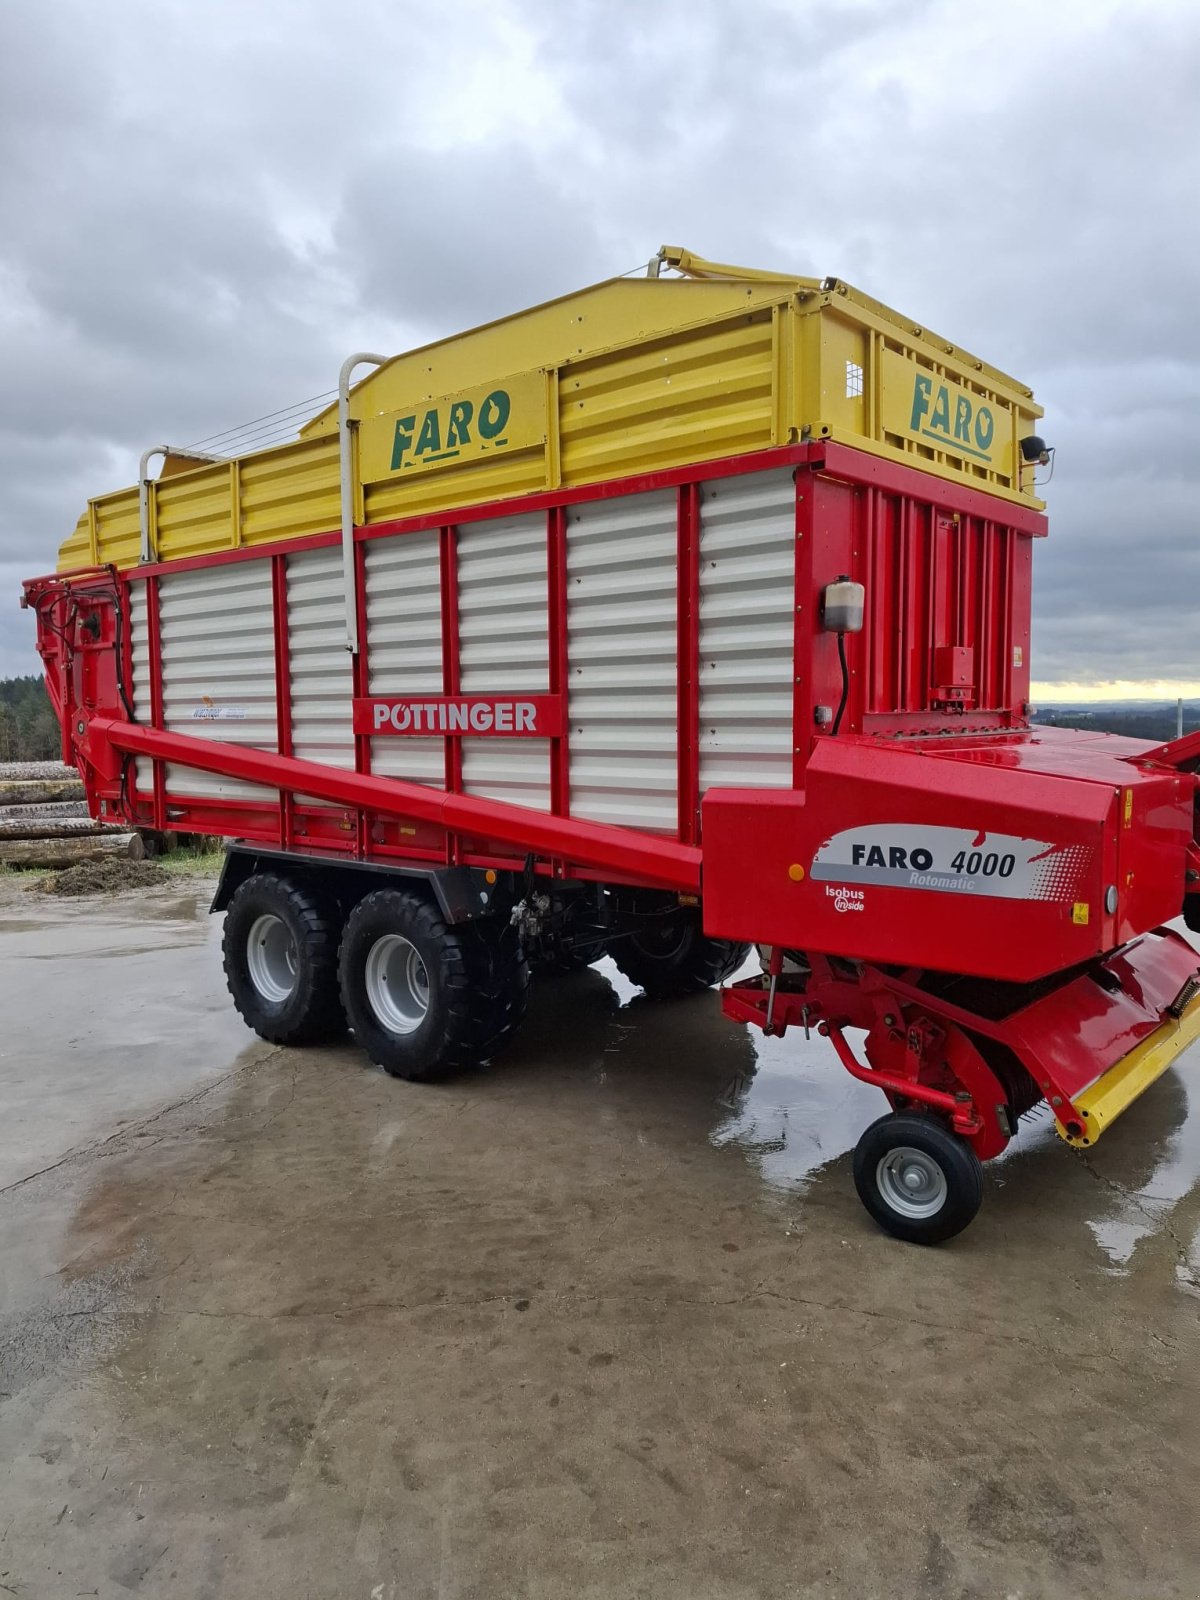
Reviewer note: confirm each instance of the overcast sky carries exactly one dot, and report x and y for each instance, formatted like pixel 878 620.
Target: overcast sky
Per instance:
pixel 204 207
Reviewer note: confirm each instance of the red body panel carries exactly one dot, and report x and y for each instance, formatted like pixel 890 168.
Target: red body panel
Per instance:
pixel 908 798
pixel 894 526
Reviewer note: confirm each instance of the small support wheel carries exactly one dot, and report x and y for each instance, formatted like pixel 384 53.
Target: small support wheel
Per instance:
pixel 919 1181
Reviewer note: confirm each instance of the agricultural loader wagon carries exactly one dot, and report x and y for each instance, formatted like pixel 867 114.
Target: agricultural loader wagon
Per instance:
pixel 685 614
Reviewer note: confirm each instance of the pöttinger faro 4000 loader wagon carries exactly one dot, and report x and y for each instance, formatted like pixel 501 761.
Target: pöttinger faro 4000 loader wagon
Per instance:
pixel 682 614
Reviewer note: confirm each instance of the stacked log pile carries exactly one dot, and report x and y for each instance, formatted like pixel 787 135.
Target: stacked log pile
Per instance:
pixel 44 819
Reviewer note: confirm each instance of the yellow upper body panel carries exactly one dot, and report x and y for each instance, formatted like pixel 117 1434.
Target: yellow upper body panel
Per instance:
pixel 628 376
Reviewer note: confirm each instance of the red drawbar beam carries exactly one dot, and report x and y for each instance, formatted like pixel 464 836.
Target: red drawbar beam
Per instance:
pixel 593 844
pixel 688 661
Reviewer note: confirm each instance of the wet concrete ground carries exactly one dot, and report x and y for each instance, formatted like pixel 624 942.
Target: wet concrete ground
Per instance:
pixel 606 1320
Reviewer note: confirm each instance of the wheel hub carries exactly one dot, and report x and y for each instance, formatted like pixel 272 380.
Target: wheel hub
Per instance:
pixel 911 1182
pixel 397 984
pixel 271 958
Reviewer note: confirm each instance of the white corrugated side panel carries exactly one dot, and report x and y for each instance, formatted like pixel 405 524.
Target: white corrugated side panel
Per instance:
pixel 621 618
pixel 404 645
pixel 747 629
pixel 504 647
pixel 140 687
pixel 218 655
pixel 322 685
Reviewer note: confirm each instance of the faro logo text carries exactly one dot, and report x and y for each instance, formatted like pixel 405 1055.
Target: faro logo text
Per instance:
pixel 971 429
pixel 445 432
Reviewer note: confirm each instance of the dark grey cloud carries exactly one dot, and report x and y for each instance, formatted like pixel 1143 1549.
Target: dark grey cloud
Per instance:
pixel 203 208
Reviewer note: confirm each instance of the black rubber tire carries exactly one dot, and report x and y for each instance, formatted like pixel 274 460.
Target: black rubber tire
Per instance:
pixel 959 1165
pixel 677 958
pixel 500 974
pixel 478 986
pixel 312 1013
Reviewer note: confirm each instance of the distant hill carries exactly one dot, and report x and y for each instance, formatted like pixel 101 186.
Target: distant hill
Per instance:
pixel 28 729
pixel 1137 719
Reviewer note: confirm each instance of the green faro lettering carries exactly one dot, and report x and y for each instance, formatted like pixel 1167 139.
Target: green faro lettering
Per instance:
pixel 437 442
pixel 973 426
pixel 494 413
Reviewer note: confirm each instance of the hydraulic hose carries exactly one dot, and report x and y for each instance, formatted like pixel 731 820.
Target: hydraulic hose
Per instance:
pixel 841 710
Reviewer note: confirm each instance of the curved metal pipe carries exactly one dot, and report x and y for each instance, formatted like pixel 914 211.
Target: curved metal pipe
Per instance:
pixel 144 496
pixel 144 481
pixel 346 468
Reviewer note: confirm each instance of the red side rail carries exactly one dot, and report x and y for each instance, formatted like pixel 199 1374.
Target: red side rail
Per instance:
pixel 622 852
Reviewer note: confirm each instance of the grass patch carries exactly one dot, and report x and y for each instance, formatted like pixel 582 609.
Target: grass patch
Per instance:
pixel 191 863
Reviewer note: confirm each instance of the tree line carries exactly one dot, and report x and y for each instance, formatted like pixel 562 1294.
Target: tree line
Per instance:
pixel 28 729
pixel 29 732
pixel 1156 723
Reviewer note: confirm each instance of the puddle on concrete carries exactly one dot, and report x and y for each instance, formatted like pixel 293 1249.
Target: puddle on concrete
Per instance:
pixel 122 911
pixel 101 1022
pixel 1143 1208
pixel 797 1111
pixel 793 1111
pixel 621 986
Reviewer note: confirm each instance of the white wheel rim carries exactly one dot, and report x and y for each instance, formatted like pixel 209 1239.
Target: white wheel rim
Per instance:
pixel 397 984
pixel 271 958
pixel 911 1183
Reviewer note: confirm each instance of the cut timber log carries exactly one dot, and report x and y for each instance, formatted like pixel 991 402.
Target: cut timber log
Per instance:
pixel 51 810
pixel 35 769
pixel 39 791
pixel 51 827
pixel 65 852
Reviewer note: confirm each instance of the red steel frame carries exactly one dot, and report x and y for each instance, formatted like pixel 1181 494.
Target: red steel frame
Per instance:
pixel 559 673
pixel 688 661
pixel 451 677
pixel 154 651
pixel 283 690
pixel 369 830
